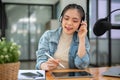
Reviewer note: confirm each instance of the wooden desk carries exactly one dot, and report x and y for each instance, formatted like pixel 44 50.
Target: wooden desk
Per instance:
pixel 97 74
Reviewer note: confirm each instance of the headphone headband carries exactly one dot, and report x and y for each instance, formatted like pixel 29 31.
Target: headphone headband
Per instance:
pixel 74 6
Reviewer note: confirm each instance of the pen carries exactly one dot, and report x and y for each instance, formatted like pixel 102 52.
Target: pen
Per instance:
pixel 40 74
pixel 53 59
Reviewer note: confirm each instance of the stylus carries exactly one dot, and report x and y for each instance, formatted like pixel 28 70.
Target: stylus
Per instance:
pixel 40 74
pixel 53 58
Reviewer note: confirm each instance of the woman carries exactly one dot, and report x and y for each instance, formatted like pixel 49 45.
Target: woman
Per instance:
pixel 68 44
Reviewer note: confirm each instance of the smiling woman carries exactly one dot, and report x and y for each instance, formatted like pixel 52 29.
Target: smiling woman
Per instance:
pixel 68 44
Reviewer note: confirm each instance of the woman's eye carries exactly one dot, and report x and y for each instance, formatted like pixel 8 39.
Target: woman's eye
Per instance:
pixel 65 18
pixel 75 21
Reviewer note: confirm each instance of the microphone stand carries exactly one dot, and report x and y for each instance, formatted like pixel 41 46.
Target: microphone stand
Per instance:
pixel 109 47
pixel 109 34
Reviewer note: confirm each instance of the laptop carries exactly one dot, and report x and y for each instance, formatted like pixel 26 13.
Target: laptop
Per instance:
pixel 113 71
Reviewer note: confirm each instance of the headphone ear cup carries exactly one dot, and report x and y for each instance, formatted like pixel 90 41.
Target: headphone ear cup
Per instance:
pixel 61 16
pixel 60 20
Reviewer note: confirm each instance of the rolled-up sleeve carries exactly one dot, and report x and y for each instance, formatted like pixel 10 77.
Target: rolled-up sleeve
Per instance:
pixel 42 48
pixel 83 62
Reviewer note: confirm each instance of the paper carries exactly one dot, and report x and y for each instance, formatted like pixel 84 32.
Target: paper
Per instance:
pixel 22 75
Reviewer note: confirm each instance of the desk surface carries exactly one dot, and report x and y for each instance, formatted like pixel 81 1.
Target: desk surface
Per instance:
pixel 97 74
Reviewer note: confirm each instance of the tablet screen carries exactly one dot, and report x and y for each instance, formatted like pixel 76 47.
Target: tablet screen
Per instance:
pixel 71 74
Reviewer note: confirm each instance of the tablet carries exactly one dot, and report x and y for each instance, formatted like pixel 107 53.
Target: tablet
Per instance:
pixel 71 74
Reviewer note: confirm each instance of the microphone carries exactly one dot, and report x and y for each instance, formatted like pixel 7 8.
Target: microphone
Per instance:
pixel 101 26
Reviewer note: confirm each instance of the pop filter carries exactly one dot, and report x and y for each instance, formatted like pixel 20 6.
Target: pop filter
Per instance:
pixel 101 26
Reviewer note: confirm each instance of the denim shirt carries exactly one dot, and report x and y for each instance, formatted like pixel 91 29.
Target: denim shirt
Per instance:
pixel 49 42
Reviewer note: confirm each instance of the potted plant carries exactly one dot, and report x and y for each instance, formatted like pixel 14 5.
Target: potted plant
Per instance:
pixel 9 60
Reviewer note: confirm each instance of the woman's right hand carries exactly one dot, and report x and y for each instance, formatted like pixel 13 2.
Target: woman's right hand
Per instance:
pixel 50 64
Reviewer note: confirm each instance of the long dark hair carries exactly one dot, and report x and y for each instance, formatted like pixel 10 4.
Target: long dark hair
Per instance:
pixel 74 6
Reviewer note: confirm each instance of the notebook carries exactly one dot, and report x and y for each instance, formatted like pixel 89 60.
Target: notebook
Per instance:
pixel 31 75
pixel 113 71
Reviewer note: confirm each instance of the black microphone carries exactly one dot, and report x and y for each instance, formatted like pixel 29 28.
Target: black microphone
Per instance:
pixel 101 26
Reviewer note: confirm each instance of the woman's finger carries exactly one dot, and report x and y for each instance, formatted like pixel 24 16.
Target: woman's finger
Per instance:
pixel 53 61
pixel 51 66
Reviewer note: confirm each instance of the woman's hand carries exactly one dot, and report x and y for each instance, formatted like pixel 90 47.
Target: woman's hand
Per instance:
pixel 81 34
pixel 50 64
pixel 83 30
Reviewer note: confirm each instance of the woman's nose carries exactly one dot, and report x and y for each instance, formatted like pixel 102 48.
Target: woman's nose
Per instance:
pixel 69 22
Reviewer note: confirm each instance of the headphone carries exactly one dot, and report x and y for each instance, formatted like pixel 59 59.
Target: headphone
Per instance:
pixel 73 6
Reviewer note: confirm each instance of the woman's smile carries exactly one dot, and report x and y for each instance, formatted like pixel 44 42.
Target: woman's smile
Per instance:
pixel 68 28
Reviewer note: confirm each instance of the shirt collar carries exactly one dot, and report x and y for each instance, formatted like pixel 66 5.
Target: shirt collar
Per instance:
pixel 55 38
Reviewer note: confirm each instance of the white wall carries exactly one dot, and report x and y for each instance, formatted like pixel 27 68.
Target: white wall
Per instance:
pixel 32 1
pixel 53 24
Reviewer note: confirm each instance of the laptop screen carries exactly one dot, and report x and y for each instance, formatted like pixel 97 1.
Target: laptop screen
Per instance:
pixel 113 71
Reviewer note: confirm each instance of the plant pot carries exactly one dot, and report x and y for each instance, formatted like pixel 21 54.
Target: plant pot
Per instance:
pixel 9 71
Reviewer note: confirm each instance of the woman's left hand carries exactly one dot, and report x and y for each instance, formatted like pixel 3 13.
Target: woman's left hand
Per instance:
pixel 82 34
pixel 83 30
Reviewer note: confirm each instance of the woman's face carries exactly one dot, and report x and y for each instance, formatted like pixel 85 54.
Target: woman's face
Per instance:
pixel 71 21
